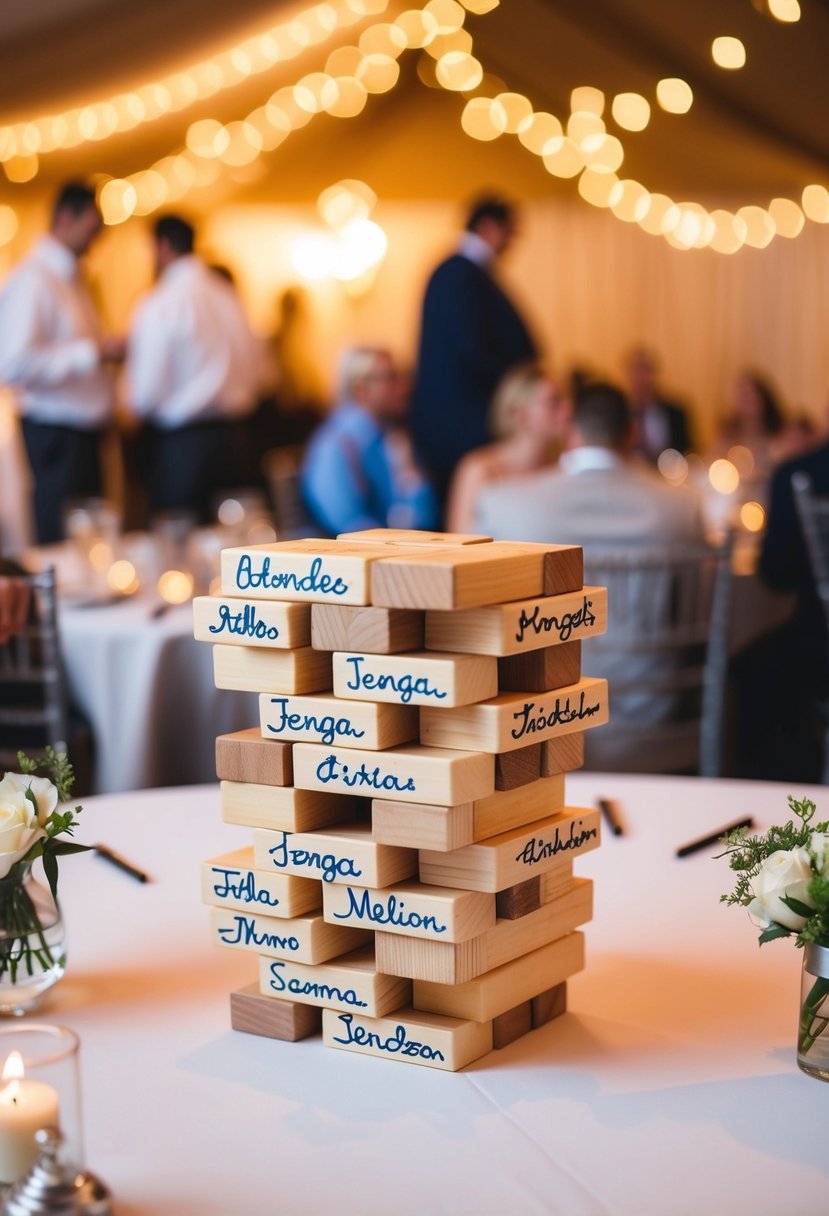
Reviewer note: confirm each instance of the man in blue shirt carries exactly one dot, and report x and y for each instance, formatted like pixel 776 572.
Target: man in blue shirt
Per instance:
pixel 360 471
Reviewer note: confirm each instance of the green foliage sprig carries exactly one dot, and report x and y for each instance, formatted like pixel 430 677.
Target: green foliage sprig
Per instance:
pixel 57 768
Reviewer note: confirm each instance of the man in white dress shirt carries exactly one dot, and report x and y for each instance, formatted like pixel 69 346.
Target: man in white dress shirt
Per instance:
pixel 53 356
pixel 194 368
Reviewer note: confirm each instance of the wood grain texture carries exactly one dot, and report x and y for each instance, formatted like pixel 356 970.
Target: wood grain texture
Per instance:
pixel 245 622
pixel 519 767
pixel 434 913
pixel 283 808
pixel 466 577
pixel 549 1005
pixel 246 756
pixel 406 536
pixel 403 774
pixel 232 881
pixel 410 1037
pixel 366 630
pixel 541 670
pixel 508 809
pixel 422 826
pixel 251 669
pixel 252 1013
pixel 522 625
pixel 326 718
pixel 305 939
pixel 562 755
pixel 512 1025
pixel 514 902
pixel 418 678
pixel 349 982
pixel 347 854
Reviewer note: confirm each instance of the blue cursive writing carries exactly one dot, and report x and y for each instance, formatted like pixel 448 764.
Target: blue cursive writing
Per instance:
pixel 327 726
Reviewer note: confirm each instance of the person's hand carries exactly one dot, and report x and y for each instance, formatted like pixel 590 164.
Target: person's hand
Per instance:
pixel 14 606
pixel 113 350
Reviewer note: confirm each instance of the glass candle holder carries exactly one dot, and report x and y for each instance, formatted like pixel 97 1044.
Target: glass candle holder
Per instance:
pixel 39 1087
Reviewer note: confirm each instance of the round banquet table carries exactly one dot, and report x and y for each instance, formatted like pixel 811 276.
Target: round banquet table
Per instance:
pixel 668 1088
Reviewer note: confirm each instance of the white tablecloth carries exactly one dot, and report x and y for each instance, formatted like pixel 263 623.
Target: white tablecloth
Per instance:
pixel 669 1089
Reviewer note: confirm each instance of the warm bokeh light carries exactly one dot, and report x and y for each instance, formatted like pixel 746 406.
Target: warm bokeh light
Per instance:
pixel 416 26
pixel 596 187
pixel 480 6
pixel 383 39
pixel 653 219
pixel 8 224
pixel 629 201
pixel 631 111
pixel 346 201
pixel 541 133
pixel 742 458
pixel 728 53
pixel 118 199
pixel 752 517
pixel 207 137
pixel 588 99
pixel 784 10
pixel 175 586
pixel 21 169
pixel 477 120
pixel 787 217
pixel 729 236
pixel 362 245
pixel 509 110
pixel 674 95
pixel 378 73
pixel 724 477
pixel 815 201
pixel 313 257
pixel 673 466
pixel 759 226
pixel 603 153
pixel 448 14
pixel 458 71
pixel 584 126
pixel 122 577
pixel 565 161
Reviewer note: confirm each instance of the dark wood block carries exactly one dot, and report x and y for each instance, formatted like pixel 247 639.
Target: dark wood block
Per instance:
pixel 512 1025
pixel 562 755
pixel 514 902
pixel 518 768
pixel 564 571
pixel 549 1005
pixel 253 1013
pixel 246 756
pixel 541 670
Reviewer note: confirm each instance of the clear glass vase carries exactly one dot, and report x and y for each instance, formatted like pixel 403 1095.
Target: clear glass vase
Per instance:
pixel 813 1028
pixel 32 953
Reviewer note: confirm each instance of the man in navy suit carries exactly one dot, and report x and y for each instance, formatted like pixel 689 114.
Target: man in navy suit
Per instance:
pixel 471 335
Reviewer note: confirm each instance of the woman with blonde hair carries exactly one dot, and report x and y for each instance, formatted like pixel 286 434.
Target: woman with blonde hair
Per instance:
pixel 526 418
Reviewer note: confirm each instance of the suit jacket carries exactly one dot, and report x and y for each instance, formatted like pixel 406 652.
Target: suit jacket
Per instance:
pixel 471 334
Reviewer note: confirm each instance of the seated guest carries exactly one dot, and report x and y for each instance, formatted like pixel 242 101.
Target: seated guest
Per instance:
pixel 359 470
pixel 658 422
pixel 526 417
pixel 757 422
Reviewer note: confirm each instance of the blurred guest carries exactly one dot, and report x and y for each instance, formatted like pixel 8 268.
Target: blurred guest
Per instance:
pixel 527 418
pixel 757 422
pixel 53 355
pixel 14 604
pixel 658 423
pixel 471 335
pixel 359 470
pixel 193 372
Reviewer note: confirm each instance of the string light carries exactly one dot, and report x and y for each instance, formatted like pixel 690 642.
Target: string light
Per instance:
pixel 784 10
pixel 728 53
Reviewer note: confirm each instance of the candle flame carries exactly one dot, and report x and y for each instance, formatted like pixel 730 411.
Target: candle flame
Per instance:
pixel 13 1068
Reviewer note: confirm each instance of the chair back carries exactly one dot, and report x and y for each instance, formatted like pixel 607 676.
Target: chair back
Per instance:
pixel 813 513
pixel 665 656
pixel 283 467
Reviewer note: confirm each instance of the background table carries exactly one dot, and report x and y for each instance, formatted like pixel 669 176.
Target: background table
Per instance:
pixel 669 1088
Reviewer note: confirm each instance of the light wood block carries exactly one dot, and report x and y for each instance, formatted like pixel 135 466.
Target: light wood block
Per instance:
pixel 502 861
pixel 562 755
pixel 513 720
pixel 409 1036
pixel 488 996
pixel 508 809
pixel 466 577
pixel 515 902
pixel 437 913
pixel 366 630
pixel 540 670
pixel 248 669
pixel 549 1005
pixel 307 939
pixel 342 855
pixel 403 774
pixel 246 756
pixel 349 982
pixel 407 536
pixel 283 808
pixel 231 881
pixel 521 625
pixel 457 962
pixel 416 679
pixel 251 622
pixel 420 826
pixel 563 568
pixel 557 882
pixel 327 719
pixel 512 1025
pixel 314 570
pixel 519 767
pixel 252 1013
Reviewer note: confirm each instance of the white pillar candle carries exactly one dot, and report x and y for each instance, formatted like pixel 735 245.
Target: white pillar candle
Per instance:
pixel 25 1107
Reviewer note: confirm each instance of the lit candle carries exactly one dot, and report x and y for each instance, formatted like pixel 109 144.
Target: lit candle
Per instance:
pixel 25 1107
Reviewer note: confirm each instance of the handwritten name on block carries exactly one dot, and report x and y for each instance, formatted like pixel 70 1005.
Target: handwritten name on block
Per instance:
pixel 283 808
pixel 502 861
pixel 245 756
pixel 509 721
pixel 421 826
pixel 307 939
pixel 457 962
pixel 347 854
pixel 410 1036
pixel 488 996
pixel 415 679
pixel 521 625
pixel 251 622
pixel 248 669
pixel 406 536
pixel 232 882
pixel 403 774
pixel 350 982
pixel 322 571
pixel 409 907
pixel 466 577
pixel 366 630
pixel 327 719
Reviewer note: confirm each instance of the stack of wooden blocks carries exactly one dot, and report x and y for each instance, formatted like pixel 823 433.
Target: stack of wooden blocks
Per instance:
pixel 410 886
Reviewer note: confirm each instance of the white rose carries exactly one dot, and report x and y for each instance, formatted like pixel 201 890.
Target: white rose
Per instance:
pixel 786 872
pixel 20 824
pixel 819 848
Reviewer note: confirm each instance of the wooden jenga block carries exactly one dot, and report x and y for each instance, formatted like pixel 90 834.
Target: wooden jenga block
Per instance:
pixel 521 625
pixel 246 756
pixel 407 536
pixel 562 755
pixel 501 989
pixel 502 861
pixel 307 939
pixel 519 767
pixel 466 577
pixel 557 882
pixel 421 826
pixel 436 913
pixel 416 679
pixel 541 670
pixel 410 1036
pixel 249 669
pixel 252 1013
pixel 512 1025
pixel 563 568
pixel 514 902
pixel 508 809
pixel 549 1005
pixel 327 719
pixel 283 808
pixel 231 881
pixel 512 720
pixel 251 622
pixel 349 982
pixel 366 630
pixel 341 855
pixel 435 775
pixel 457 962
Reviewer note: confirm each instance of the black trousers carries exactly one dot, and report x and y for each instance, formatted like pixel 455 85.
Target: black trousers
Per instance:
pixel 65 463
pixel 189 466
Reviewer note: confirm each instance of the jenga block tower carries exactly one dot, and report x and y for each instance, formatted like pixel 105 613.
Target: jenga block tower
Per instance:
pixel 408 878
